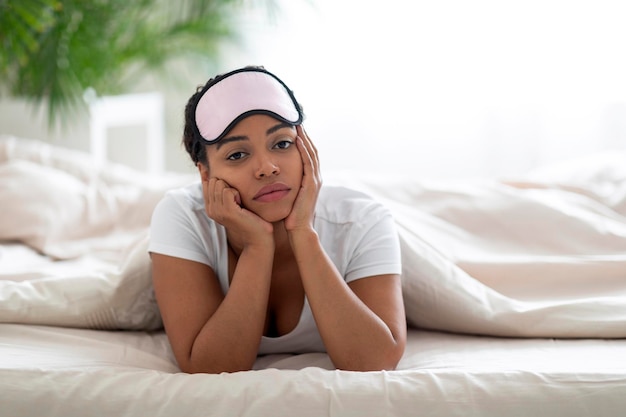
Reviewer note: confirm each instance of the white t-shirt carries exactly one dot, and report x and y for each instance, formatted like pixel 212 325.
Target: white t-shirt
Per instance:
pixel 357 233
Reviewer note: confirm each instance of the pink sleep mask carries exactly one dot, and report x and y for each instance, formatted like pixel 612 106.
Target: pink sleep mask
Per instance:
pixel 239 94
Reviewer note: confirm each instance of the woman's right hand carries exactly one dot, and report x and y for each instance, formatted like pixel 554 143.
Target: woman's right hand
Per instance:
pixel 223 204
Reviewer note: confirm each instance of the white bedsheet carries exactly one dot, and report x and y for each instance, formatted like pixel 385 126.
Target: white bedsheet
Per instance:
pixel 77 372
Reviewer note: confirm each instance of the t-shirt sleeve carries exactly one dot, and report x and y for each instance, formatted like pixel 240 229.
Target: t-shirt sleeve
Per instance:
pixel 174 231
pixel 377 246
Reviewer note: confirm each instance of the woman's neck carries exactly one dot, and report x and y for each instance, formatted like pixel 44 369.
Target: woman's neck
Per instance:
pixel 281 240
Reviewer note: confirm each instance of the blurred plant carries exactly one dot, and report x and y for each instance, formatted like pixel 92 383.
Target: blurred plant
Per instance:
pixel 54 50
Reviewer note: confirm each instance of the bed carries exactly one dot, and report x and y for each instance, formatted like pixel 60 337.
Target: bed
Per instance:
pixel 515 293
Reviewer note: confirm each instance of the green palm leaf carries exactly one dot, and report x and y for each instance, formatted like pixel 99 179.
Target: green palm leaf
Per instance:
pixel 53 50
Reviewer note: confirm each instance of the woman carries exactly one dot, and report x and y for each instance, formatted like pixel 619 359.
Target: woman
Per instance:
pixel 260 258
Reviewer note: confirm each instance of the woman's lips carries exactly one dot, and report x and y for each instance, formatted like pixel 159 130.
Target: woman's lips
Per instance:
pixel 272 192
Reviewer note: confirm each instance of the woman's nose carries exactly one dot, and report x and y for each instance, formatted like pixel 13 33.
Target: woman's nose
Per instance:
pixel 266 168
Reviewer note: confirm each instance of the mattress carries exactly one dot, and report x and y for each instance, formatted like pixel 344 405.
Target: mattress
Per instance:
pixel 67 372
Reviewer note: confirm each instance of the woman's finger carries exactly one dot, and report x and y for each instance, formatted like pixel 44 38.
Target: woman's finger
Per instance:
pixel 311 151
pixel 309 143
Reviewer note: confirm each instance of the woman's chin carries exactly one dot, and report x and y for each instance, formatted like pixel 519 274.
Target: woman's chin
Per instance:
pixel 273 213
pixel 275 219
pixel 274 216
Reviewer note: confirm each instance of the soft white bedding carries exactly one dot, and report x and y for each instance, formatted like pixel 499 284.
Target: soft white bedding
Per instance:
pixel 78 372
pixel 541 257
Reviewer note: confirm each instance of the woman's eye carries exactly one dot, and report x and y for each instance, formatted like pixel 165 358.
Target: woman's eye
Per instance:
pixel 235 156
pixel 283 144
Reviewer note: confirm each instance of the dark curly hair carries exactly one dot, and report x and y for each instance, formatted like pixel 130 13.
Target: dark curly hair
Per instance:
pixel 193 142
pixel 194 145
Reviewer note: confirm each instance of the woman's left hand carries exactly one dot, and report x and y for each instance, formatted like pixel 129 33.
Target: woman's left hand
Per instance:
pixel 303 211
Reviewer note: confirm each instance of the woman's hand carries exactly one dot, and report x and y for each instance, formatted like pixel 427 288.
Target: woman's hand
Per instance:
pixel 223 204
pixel 303 211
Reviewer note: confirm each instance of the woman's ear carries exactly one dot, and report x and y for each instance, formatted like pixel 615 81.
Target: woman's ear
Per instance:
pixel 203 170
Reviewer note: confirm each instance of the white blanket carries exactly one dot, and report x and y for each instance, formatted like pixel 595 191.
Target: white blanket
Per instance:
pixel 541 256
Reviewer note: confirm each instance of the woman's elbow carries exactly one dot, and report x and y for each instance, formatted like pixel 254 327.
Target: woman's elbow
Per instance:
pixel 211 370
pixel 382 361
pixel 205 367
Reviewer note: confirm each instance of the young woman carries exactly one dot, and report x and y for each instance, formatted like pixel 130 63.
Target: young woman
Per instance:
pixel 258 257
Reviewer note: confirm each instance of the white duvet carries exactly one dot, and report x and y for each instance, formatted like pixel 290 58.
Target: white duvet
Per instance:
pixel 540 256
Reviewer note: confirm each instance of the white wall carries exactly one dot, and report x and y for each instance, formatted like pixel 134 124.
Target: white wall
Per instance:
pixel 453 88
pixel 447 88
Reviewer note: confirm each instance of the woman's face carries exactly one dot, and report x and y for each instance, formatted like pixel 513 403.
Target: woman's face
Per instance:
pixel 260 159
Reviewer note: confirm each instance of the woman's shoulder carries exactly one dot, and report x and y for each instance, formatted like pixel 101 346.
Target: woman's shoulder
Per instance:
pixel 189 196
pixel 342 204
pixel 182 204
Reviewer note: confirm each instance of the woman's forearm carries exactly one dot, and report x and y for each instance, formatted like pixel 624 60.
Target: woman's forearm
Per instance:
pixel 230 339
pixel 354 336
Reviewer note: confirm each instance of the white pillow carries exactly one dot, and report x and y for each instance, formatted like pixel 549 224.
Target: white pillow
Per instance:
pixel 51 210
pixel 60 203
